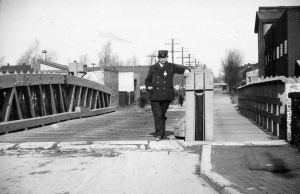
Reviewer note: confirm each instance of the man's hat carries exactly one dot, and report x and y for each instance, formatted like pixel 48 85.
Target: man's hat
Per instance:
pixel 162 54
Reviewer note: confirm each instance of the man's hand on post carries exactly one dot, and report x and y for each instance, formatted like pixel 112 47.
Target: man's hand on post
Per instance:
pixel 187 72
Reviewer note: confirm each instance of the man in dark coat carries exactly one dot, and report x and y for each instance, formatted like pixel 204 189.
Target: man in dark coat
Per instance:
pixel 159 82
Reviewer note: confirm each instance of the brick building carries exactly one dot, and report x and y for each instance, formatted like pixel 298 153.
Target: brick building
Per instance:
pixel 278 30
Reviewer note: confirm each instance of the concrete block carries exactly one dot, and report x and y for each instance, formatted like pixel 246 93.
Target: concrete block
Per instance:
pixel 199 80
pixel 93 146
pixel 5 146
pixel 36 145
pixel 190 81
pixel 209 120
pixel 190 116
pixel 217 179
pixel 208 80
pixel 230 190
pixel 127 142
pixel 165 145
pixel 205 164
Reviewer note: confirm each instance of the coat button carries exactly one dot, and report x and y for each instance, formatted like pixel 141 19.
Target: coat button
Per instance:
pixel 164 88
pixel 157 88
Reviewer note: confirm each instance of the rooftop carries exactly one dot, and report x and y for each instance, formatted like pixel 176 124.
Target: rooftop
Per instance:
pixel 271 14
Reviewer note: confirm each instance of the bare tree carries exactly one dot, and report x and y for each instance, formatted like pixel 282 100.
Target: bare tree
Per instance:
pixel 51 56
pixel 2 60
pixel 31 54
pixel 231 66
pixel 152 58
pixel 83 59
pixel 133 61
pixel 115 61
pixel 218 79
pixel 105 55
pixel 107 58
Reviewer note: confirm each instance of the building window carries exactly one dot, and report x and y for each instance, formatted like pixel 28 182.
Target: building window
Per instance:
pixel 285 47
pixel 281 50
pixel 277 52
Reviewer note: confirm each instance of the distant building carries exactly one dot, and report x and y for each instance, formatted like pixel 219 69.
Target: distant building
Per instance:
pixel 250 72
pixel 16 69
pixel 278 30
pixel 129 88
pixel 143 71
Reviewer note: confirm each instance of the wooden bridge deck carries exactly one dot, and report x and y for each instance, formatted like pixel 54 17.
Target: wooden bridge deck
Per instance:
pixel 124 124
pixel 137 124
pixel 231 126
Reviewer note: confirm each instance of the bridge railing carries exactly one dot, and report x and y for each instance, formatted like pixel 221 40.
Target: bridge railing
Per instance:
pixel 28 100
pixel 265 102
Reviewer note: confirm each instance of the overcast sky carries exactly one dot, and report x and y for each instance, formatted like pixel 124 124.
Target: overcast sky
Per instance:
pixel 206 28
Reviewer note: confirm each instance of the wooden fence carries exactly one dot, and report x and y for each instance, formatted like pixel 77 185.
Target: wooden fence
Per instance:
pixel 265 102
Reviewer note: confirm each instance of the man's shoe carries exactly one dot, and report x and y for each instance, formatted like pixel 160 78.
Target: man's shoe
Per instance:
pixel 158 138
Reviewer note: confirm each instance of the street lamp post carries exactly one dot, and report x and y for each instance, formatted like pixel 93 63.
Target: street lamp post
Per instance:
pixel 45 52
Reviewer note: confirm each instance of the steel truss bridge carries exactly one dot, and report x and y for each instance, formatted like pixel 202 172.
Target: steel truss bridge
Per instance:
pixel 36 99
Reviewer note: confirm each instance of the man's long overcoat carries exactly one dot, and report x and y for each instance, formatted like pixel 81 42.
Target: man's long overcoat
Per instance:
pixel 161 79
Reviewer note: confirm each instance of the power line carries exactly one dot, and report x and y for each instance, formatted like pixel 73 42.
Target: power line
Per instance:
pixel 172 48
pixel 151 58
pixel 182 55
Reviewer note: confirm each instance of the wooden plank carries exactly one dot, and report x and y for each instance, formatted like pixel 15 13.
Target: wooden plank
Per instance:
pixel 61 99
pixel 9 81
pixel 37 121
pixel 108 100
pixel 71 98
pixel 79 96
pixel 103 99
pixel 7 104
pixel 276 118
pixel 98 100
pixel 28 92
pixel 41 100
pixel 18 104
pixel 91 98
pixel 53 107
pixel 85 96
pixel 94 99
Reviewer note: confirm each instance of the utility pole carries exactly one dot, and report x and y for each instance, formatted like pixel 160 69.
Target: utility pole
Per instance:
pixel 189 59
pixel 182 63
pixel 172 48
pixel 182 59
pixel 151 58
pixel 182 55
pixel 189 62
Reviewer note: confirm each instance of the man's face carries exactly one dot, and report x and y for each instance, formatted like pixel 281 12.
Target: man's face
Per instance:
pixel 163 60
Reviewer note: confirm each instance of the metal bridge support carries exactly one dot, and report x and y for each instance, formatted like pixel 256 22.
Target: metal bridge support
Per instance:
pixel 199 105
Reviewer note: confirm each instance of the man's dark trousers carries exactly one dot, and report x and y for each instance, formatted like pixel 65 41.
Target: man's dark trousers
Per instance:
pixel 159 109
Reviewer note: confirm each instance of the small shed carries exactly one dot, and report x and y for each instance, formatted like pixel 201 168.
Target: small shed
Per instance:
pixel 129 88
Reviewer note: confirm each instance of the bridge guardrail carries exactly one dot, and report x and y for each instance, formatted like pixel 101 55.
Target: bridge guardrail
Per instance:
pixel 29 100
pixel 265 102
